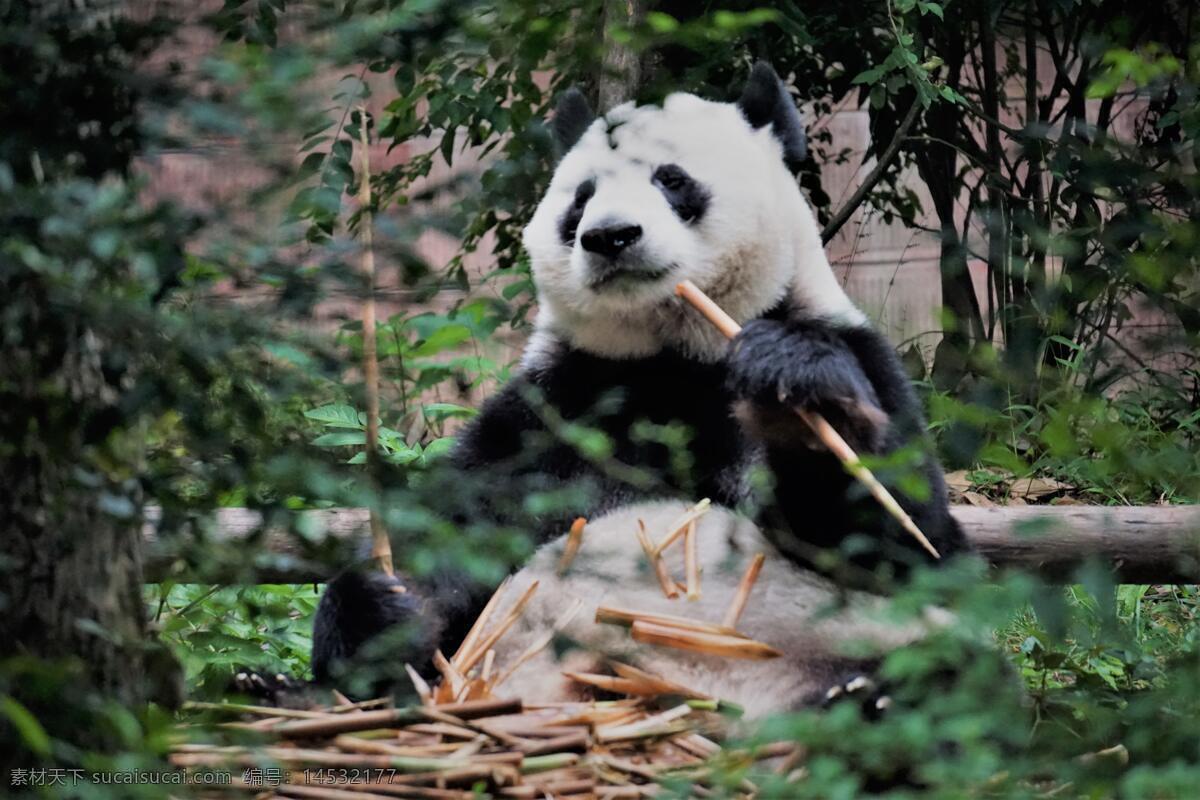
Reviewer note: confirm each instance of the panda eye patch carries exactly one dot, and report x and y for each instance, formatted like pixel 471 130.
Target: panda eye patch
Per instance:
pixel 568 224
pixel 687 197
pixel 671 177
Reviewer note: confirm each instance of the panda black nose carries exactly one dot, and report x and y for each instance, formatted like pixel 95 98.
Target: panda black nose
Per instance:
pixel 610 240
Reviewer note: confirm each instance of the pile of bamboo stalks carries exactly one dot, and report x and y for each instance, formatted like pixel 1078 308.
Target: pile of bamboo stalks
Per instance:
pixel 500 747
pixel 466 737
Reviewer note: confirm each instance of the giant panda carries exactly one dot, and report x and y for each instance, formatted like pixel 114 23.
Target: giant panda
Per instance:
pixel 642 198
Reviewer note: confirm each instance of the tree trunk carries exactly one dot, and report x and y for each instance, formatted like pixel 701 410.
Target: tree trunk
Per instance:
pixel 621 69
pixel 71 575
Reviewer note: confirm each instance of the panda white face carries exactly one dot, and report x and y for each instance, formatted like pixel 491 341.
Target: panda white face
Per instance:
pixel 650 196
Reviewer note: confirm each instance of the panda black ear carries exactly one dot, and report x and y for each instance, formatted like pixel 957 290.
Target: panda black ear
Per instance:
pixel 765 101
pixel 572 116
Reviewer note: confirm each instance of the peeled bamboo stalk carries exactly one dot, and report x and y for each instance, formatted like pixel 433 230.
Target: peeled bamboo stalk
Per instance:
pixel 574 540
pixel 625 617
pixel 489 641
pixel 489 660
pixel 540 643
pixel 325 793
pixel 743 592
pixel 692 569
pixel 568 742
pixel 422 688
pixel 609 683
pixel 468 642
pixel 650 725
pixel 660 568
pixel 819 425
pixel 711 643
pixel 679 526
pixel 550 789
pixel 451 677
pixel 662 685
pixel 266 711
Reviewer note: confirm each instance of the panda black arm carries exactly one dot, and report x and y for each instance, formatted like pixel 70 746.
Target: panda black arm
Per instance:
pixel 850 375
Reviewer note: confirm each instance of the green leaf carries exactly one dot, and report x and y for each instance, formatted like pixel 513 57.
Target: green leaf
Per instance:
pixel 440 411
pixel 443 339
pixel 439 447
pixel 32 732
pixel 869 76
pixel 335 416
pixel 341 439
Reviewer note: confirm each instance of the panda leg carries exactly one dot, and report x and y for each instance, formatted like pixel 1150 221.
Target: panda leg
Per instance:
pixel 367 618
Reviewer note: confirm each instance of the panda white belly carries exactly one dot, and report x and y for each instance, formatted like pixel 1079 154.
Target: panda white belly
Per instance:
pixel 824 634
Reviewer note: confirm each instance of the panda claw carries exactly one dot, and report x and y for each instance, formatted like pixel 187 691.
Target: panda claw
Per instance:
pixel 833 694
pixel 860 683
pixel 883 703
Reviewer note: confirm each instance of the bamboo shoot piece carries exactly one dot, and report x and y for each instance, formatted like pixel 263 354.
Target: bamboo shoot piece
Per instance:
pixel 697 642
pixel 660 683
pixel 625 617
pixel 743 592
pixel 574 539
pixel 490 640
pixel 540 643
pixel 423 690
pixel 689 559
pixel 468 642
pixel 660 568
pixel 679 526
pixel 820 426
pixel 609 683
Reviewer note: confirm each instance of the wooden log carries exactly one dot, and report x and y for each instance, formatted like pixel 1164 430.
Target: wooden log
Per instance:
pixel 1143 544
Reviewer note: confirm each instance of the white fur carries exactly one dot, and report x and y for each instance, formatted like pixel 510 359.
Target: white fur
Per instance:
pixel 758 237
pixel 799 613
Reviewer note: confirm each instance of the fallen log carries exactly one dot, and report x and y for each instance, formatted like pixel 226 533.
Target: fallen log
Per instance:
pixel 1143 544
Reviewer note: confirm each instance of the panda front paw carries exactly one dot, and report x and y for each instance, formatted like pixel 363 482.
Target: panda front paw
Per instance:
pixel 264 686
pixel 774 366
pixel 861 689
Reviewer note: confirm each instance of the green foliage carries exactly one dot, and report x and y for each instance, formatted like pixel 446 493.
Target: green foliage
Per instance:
pixel 215 631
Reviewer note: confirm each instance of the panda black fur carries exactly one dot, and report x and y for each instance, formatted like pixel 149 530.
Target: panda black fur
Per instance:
pixel 643 198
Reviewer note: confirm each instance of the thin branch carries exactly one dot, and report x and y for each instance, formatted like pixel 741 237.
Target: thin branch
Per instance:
pixel 881 166
pixel 381 546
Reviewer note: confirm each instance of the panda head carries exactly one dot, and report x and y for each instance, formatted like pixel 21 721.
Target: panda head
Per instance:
pixel 648 196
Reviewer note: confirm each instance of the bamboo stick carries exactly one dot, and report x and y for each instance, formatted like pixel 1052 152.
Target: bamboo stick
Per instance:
pixel 698 642
pixel 489 641
pixel 679 526
pixel 266 711
pixel 650 726
pixel 568 742
pixel 574 540
pixel 333 724
pixel 550 789
pixel 819 425
pixel 743 592
pixel 625 617
pixel 663 685
pixel 609 683
pixel 691 568
pixel 324 793
pixel 540 643
pixel 548 762
pixel 381 546
pixel 659 566
pixel 419 684
pixel 468 642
